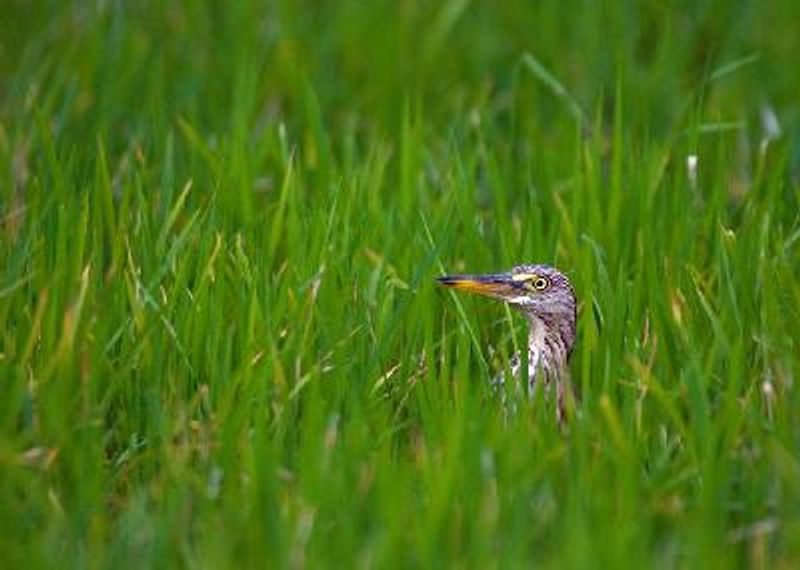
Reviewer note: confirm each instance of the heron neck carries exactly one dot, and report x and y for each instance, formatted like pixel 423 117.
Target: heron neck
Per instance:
pixel 548 346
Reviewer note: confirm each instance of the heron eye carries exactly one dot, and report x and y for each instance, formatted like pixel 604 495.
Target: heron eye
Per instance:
pixel 540 283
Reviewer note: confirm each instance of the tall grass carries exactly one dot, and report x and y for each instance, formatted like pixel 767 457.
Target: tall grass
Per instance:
pixel 221 340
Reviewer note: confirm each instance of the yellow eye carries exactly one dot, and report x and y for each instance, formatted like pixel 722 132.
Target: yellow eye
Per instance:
pixel 540 283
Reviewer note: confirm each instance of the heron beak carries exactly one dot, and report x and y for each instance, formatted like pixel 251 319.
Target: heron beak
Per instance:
pixel 497 285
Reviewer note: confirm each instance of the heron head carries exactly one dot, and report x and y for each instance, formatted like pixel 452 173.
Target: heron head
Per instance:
pixel 536 290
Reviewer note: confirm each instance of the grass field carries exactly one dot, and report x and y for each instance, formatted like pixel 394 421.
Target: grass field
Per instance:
pixel 221 341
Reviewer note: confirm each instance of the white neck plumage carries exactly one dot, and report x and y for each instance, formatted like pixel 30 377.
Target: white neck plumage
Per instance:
pixel 547 350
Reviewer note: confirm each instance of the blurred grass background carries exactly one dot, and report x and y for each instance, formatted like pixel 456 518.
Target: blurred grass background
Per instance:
pixel 221 341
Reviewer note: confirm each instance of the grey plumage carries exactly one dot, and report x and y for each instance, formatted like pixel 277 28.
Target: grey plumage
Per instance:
pixel 546 298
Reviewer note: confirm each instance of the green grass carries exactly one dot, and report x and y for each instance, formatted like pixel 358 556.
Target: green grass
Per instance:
pixel 221 342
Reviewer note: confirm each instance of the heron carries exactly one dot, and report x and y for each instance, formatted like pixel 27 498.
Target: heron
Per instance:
pixel 545 296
